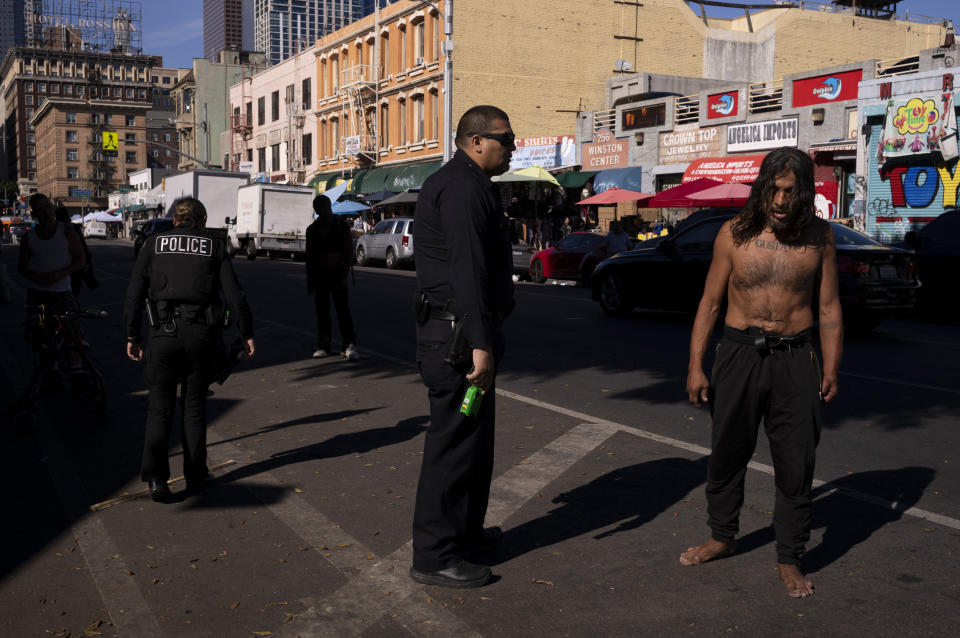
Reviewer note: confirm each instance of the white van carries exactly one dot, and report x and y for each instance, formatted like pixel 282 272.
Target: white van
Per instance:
pixel 95 229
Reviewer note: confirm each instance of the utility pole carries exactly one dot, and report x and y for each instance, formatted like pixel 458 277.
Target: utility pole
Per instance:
pixel 447 80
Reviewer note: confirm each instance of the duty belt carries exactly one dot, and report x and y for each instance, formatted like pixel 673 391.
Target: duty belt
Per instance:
pixel 765 342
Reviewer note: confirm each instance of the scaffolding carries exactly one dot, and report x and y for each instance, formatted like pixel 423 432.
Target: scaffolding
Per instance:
pixel 112 26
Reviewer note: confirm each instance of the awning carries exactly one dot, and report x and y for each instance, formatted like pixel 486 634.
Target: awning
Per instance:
pixel 575 179
pixel 325 181
pixel 628 178
pixel 734 168
pixel 356 181
pixel 409 176
pixel 844 146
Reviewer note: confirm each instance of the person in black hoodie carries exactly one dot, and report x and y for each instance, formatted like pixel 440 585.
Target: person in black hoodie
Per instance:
pixel 329 257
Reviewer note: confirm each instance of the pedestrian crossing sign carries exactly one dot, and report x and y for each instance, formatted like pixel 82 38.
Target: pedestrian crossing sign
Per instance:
pixel 111 141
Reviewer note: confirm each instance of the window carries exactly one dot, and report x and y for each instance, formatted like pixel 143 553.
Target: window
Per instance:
pixel 131 120
pixel 385 57
pixel 31 139
pixel 305 96
pixel 31 151
pixel 155 79
pixel 262 159
pixel 435 27
pixel 117 91
pixel 419 134
pixel 250 155
pixel 403 122
pixel 142 94
pixel 166 79
pixel 335 137
pixel 288 95
pixel 435 105
pixel 643 117
pixel 80 90
pixel 155 153
pixel 275 106
pixel 403 51
pixel 41 100
pixel 306 147
pixel 107 118
pixel 418 39
pixel 131 93
pixel 28 99
pixel 129 138
pixel 41 87
pixel 249 113
pixel 384 126
pixel 68 89
pixel 382 227
pixel 72 136
pixel 168 153
pixel 130 157
pixel 73 172
pixel 28 86
pixel 335 74
pixel 54 88
pixel 275 157
pixel 261 111
pixel 32 164
pixel 167 137
pixel 155 137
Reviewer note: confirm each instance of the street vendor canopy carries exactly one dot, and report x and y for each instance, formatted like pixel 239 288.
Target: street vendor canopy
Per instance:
pixel 628 178
pixel 733 168
pixel 575 179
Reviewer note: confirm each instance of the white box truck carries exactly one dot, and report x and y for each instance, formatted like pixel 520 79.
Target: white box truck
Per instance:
pixel 272 219
pixel 216 190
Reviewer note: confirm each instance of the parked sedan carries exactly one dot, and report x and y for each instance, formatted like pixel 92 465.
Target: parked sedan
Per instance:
pixel 390 241
pixel 522 253
pixel 573 257
pixel 670 274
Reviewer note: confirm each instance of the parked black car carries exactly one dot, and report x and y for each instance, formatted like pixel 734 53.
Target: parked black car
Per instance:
pixel 148 229
pixel 938 262
pixel 669 274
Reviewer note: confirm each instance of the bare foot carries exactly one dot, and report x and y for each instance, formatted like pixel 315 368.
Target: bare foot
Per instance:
pixel 708 551
pixel 797 584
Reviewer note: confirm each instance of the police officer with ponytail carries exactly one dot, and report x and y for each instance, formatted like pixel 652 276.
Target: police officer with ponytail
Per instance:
pixel 180 278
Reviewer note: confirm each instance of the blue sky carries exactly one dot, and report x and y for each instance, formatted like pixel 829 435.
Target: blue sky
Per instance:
pixel 174 28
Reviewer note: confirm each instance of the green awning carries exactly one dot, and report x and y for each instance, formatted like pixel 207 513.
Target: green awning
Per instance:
pixel 410 176
pixel 374 180
pixel 575 179
pixel 357 181
pixel 321 182
pixel 136 207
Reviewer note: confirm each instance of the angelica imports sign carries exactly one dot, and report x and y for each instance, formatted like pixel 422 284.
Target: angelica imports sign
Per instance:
pixel 758 136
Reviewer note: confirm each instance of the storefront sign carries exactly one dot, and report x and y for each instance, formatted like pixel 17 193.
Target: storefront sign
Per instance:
pixel 605 151
pixel 686 145
pixel 548 152
pixel 722 105
pixel 918 125
pixel 758 136
pixel 744 168
pixel 824 89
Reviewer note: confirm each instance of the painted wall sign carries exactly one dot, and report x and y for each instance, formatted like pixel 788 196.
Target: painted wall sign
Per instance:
pixel 685 145
pixel 824 89
pixel 919 124
pixel 548 152
pixel 756 136
pixel 605 151
pixel 741 169
pixel 723 105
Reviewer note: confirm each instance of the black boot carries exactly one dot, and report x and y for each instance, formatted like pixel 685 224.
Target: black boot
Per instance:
pixel 159 491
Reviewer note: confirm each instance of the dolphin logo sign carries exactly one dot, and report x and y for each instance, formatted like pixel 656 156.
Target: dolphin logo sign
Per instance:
pixel 830 89
pixel 726 104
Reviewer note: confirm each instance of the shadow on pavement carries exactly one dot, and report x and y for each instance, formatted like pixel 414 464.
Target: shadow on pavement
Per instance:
pixel 308 420
pixel 628 498
pixel 849 521
pixel 339 445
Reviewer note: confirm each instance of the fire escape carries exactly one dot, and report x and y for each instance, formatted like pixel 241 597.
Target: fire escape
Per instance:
pixel 241 130
pixel 101 168
pixel 360 86
pixel 296 170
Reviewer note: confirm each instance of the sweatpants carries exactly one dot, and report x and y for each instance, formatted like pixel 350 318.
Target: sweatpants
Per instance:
pixel 781 386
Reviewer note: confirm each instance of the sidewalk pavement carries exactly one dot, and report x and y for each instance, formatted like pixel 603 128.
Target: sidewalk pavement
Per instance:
pixel 307 532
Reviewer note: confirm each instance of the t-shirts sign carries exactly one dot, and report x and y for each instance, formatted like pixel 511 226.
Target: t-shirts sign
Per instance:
pixel 548 152
pixel 758 136
pixel 824 89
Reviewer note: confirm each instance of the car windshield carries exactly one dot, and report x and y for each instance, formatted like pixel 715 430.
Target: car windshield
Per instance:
pixel 848 237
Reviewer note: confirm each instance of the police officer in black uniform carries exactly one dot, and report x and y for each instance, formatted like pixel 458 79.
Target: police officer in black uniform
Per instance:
pixel 178 278
pixel 464 276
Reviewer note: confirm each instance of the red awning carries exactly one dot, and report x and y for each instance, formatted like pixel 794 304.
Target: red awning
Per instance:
pixel 679 196
pixel 743 168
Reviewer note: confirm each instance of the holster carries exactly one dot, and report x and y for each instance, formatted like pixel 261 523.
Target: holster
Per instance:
pixel 459 353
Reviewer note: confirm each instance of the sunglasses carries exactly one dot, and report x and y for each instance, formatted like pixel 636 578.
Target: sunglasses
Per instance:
pixel 505 139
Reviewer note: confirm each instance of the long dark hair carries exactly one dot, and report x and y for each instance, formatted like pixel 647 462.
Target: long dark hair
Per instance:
pixel 753 218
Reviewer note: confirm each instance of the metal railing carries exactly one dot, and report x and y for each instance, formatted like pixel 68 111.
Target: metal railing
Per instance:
pixel 897 66
pixel 686 109
pixel 604 119
pixel 359 75
pixel 765 96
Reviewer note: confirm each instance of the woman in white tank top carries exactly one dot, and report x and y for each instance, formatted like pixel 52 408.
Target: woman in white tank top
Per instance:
pixel 49 252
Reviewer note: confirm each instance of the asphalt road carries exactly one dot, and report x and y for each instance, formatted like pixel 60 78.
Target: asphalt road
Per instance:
pixel 598 484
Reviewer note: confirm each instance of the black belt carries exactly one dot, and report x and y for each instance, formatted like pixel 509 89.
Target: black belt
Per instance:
pixel 445 315
pixel 765 342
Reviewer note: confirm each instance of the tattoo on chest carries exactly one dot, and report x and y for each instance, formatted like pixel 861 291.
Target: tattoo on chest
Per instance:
pixel 771 244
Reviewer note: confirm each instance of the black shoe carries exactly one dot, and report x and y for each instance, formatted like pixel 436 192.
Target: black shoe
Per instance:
pixel 159 491
pixel 487 539
pixel 461 574
pixel 197 485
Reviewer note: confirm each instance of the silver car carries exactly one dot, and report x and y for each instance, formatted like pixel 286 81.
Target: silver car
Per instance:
pixel 390 241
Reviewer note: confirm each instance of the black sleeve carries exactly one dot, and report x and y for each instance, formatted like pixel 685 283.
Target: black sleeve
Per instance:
pixel 236 298
pixel 465 221
pixel 347 247
pixel 137 291
pixel 310 256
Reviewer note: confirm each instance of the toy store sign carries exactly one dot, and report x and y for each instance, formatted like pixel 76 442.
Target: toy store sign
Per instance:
pixel 605 151
pixel 548 152
pixel 923 185
pixel 918 125
pixel 758 136
pixel 681 146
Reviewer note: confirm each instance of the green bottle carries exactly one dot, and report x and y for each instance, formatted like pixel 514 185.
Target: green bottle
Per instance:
pixel 471 402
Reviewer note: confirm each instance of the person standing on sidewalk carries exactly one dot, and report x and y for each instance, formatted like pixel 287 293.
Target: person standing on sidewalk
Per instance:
pixel 465 291
pixel 770 263
pixel 329 257
pixel 179 277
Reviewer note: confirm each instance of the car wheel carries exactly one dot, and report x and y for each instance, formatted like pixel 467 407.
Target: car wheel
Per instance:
pixel 361 256
pixel 536 272
pixel 251 249
pixel 391 258
pixel 613 295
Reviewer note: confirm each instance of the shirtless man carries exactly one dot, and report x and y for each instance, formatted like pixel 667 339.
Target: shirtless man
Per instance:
pixel 771 262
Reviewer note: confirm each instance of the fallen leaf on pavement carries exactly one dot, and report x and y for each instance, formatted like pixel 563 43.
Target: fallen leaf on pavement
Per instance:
pixel 537 581
pixel 288 618
pixel 235 605
pixel 298 490
pixel 91 629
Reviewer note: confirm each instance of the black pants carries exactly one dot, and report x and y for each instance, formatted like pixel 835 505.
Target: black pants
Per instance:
pixel 457 467
pixel 187 358
pixel 324 290
pixel 782 387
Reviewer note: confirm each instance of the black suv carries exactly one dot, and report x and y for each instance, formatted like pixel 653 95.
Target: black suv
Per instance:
pixel 149 228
